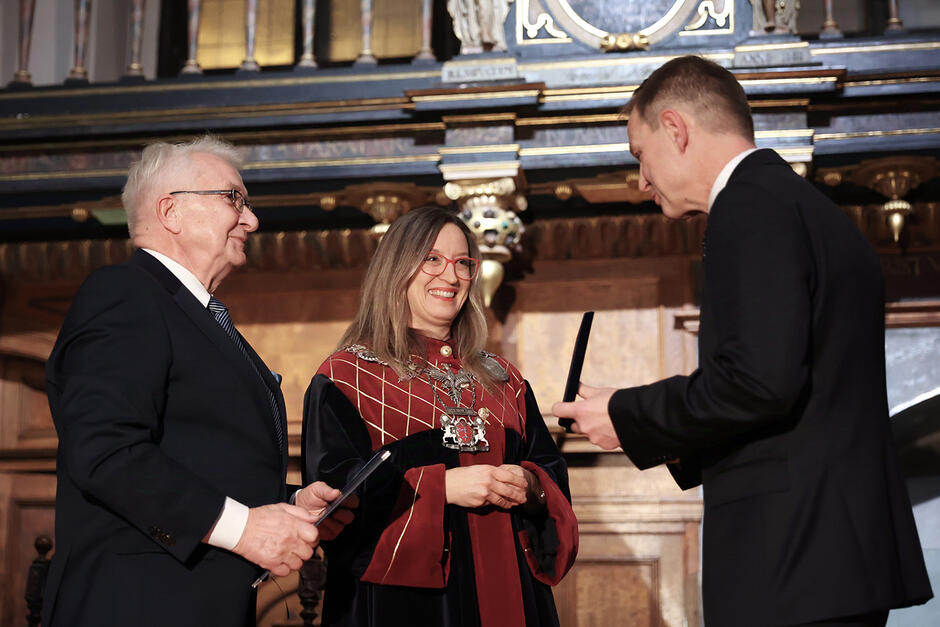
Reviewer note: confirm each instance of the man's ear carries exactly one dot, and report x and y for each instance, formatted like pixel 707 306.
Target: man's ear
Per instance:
pixel 676 128
pixel 167 214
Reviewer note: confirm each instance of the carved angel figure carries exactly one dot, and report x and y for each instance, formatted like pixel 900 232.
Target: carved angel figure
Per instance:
pixel 478 24
pixel 775 17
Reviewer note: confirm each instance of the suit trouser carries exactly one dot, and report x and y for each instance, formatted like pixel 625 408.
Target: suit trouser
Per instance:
pixel 875 619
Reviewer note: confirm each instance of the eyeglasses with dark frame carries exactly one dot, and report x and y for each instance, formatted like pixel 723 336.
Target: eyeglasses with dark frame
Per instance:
pixel 239 202
pixel 465 268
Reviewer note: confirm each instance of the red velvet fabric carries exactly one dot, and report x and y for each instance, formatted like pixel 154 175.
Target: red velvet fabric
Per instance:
pixel 411 550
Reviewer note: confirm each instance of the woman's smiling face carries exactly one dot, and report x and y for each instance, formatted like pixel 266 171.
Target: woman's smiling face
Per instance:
pixel 434 301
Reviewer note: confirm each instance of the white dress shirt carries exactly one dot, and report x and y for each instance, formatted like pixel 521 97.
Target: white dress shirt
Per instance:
pixel 724 175
pixel 233 519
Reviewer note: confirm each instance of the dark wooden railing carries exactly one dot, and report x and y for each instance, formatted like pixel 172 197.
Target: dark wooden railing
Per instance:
pixel 36 580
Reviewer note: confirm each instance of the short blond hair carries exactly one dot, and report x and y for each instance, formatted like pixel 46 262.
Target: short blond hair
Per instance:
pixel 160 160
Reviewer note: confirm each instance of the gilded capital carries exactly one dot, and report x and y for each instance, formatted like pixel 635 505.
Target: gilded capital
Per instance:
pixel 488 208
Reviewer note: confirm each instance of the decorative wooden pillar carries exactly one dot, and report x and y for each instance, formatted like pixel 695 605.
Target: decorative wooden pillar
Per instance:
pixel 192 65
pixel 312 580
pixel 426 54
pixel 27 9
pixel 366 57
pixel 36 581
pixel 830 29
pixel 894 21
pixel 134 68
pixel 82 10
pixel 251 33
pixel 309 12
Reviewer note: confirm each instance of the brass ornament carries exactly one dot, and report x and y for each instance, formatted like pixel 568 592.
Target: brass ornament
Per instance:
pixel 328 203
pixel 622 42
pixel 385 202
pixel 563 191
pixel 893 177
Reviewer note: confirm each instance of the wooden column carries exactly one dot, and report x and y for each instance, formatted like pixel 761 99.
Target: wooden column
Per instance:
pixel 830 29
pixel 251 33
pixel 894 21
pixel 79 71
pixel 309 12
pixel 27 10
pixel 426 54
pixel 192 65
pixel 134 68
pixel 366 57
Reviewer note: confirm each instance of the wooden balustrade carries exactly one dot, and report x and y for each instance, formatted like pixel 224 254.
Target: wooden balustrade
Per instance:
pixel 306 59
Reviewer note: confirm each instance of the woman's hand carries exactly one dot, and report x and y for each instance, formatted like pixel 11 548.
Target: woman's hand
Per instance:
pixel 535 495
pixel 475 486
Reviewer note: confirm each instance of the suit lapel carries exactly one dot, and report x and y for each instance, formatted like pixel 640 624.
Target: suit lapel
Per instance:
pixel 206 322
pixel 268 377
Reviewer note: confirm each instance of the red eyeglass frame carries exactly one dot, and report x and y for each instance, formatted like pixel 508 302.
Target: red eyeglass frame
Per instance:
pixel 453 262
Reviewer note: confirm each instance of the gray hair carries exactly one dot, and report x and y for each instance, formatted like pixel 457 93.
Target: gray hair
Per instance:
pixel 159 161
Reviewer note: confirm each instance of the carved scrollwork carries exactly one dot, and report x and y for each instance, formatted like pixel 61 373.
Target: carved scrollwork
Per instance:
pixel 723 17
pixel 542 21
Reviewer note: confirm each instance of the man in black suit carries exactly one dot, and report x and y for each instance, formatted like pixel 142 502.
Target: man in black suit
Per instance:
pixel 172 434
pixel 785 422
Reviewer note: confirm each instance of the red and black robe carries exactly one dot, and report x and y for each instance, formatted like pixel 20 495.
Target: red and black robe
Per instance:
pixel 408 558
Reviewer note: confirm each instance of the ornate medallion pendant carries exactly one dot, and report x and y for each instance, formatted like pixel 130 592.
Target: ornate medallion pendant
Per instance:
pixel 464 430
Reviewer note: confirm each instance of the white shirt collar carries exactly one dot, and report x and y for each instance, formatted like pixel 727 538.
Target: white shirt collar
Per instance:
pixel 186 277
pixel 724 175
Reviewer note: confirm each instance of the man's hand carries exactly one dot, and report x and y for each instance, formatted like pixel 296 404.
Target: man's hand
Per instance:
pixel 316 497
pixel 482 484
pixel 278 537
pixel 590 416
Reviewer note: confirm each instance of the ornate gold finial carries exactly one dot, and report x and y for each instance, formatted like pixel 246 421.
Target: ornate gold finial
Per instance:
pixel 894 177
pixel 621 42
pixel 384 209
pixel 80 214
pixel 489 210
pixel 385 201
pixel 328 203
pixel 563 191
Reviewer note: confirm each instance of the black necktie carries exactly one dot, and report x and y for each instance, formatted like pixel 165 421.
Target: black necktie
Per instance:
pixel 220 311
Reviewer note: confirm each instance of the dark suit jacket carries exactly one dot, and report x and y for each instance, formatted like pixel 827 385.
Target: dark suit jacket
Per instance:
pixel 785 422
pixel 159 418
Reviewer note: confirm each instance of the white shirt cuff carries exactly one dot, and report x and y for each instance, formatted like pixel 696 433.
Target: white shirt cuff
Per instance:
pixel 230 526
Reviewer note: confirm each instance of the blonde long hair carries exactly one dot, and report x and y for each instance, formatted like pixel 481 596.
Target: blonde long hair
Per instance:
pixel 381 324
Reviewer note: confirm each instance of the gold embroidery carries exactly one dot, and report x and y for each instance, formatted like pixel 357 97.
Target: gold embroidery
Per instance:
pixel 407 522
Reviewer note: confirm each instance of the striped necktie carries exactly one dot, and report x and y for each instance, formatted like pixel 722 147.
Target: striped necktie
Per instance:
pixel 220 311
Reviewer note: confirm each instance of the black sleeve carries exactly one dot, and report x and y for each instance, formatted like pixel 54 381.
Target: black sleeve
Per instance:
pixel 552 531
pixel 107 382
pixel 335 444
pixel 758 277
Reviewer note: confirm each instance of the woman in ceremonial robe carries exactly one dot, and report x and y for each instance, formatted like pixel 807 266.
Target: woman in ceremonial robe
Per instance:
pixel 470 522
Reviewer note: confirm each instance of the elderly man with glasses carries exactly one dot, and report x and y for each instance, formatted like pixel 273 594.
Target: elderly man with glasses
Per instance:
pixel 172 434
